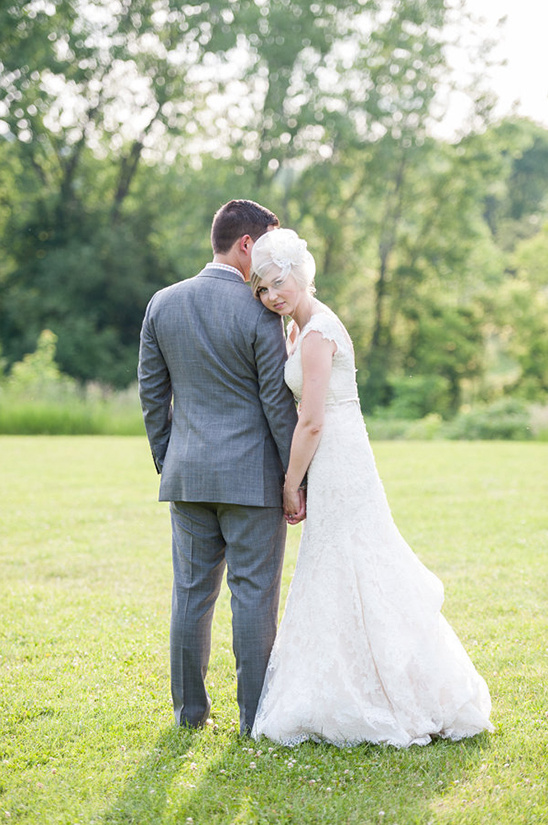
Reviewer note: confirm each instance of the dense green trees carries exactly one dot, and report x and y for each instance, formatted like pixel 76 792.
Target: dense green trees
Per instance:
pixel 124 125
pixel 88 89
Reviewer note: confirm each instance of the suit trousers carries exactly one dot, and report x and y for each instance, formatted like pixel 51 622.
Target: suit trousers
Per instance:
pixel 249 542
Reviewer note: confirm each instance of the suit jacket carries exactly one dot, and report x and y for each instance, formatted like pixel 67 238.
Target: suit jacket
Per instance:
pixel 218 415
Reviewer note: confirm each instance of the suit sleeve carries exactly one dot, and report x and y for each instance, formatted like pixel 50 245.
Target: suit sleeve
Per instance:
pixel 276 398
pixel 155 391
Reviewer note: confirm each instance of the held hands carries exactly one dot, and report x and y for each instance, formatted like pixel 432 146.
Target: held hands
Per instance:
pixel 294 504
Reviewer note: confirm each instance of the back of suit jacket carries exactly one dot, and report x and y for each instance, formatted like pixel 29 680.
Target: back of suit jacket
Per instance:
pixel 218 414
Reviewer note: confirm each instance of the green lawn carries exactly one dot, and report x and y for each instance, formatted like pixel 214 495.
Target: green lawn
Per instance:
pixel 86 730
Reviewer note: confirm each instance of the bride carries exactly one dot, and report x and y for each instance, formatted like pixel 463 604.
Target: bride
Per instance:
pixel 363 653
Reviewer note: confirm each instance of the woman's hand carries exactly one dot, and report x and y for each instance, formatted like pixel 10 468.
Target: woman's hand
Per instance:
pixel 294 505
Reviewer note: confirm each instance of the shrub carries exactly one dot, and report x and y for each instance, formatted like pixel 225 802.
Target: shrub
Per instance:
pixel 392 429
pixel 37 377
pixel 539 421
pixel 37 399
pixel 425 429
pixel 507 418
pixel 386 429
pixel 414 397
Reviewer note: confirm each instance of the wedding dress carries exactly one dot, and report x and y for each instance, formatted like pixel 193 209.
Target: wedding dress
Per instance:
pixel 363 652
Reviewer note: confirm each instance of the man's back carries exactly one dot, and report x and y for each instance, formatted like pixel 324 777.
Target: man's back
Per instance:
pixel 209 347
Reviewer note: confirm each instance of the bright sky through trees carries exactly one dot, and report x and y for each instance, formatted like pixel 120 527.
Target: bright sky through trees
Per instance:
pixel 522 83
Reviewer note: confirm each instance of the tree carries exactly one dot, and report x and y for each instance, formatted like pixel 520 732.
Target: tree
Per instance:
pixel 88 91
pixel 124 125
pixel 517 204
pixel 344 128
pixel 521 308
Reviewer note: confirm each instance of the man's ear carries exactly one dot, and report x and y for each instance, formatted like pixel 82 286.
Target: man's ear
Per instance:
pixel 246 243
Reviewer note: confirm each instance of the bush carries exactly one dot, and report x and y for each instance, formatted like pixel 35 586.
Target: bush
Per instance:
pixel 507 419
pixel 539 421
pixel 392 429
pixel 386 429
pixel 38 378
pixel 414 397
pixel 37 399
pixel 425 429
pixel 76 417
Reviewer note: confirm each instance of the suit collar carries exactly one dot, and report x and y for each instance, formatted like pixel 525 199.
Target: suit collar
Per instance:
pixel 227 273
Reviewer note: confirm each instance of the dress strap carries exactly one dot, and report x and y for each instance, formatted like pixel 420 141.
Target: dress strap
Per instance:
pixel 327 325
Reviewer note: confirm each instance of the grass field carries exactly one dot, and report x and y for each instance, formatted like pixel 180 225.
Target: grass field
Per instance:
pixel 86 730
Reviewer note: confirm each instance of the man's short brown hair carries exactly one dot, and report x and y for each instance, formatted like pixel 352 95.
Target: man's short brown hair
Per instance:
pixel 237 218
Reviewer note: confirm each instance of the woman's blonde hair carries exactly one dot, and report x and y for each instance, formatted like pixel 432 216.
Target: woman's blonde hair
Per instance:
pixel 281 252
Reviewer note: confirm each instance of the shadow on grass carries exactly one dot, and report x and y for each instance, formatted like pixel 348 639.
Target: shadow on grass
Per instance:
pixel 235 780
pixel 145 796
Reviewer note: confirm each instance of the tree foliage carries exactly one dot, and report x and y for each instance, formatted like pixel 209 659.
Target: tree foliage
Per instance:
pixel 124 124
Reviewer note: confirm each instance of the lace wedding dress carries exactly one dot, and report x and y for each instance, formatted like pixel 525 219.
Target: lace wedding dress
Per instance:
pixel 363 652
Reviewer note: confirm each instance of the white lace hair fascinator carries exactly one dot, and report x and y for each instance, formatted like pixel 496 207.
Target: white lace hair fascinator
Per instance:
pixel 283 249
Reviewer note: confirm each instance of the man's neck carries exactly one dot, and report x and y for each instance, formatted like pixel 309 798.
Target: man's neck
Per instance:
pixel 229 260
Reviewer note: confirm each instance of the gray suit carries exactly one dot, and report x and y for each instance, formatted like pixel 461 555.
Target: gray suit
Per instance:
pixel 219 419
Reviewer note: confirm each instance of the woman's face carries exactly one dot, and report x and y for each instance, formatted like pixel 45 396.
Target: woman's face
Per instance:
pixel 280 294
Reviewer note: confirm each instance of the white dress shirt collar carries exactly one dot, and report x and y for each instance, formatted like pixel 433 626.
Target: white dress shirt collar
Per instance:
pixel 214 265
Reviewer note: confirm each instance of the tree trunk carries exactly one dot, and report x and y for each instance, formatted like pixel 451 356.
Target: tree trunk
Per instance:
pixel 379 357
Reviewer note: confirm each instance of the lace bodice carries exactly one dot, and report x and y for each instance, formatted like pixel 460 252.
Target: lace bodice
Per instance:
pixel 342 384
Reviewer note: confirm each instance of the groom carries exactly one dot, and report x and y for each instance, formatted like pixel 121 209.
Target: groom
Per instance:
pixel 219 420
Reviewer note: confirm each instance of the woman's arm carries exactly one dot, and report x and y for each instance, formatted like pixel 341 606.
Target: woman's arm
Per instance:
pixel 317 358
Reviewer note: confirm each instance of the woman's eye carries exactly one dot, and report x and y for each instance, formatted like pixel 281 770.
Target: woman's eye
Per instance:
pixel 279 282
